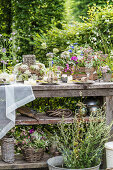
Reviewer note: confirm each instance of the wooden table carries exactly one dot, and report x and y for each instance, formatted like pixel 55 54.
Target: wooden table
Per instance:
pixel 64 90
pixel 104 89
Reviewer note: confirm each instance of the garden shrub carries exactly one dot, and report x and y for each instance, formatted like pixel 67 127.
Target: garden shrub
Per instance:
pixel 5 16
pixel 97 31
pixel 34 16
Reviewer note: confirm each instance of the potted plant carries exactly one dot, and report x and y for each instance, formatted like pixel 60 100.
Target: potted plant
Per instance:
pixel 106 73
pixel 31 143
pixel 81 143
pixel 75 58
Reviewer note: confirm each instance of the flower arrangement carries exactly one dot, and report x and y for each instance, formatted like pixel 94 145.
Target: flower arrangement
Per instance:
pixel 75 56
pixel 24 72
pixel 105 69
pixel 81 143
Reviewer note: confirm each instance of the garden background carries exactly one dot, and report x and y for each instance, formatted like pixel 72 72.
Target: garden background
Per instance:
pixel 39 26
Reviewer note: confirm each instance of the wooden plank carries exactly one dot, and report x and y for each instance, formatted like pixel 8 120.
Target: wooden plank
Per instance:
pixel 43 119
pixel 22 164
pixel 109 108
pixel 73 92
pixel 95 85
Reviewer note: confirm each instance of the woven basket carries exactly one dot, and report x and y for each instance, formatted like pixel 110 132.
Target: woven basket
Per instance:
pixel 32 154
pixel 7 149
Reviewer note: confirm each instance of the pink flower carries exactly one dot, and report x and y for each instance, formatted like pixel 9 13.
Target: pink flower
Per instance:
pixel 74 58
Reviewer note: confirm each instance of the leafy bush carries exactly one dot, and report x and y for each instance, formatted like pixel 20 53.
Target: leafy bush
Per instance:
pixel 34 16
pixel 81 143
pixel 95 31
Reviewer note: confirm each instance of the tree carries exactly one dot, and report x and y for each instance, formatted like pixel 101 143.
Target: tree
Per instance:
pixel 80 7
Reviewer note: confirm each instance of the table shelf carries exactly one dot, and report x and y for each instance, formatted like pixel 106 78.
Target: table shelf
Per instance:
pixel 22 164
pixel 43 119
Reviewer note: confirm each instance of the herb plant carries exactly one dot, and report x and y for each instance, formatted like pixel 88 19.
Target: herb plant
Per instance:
pixel 82 142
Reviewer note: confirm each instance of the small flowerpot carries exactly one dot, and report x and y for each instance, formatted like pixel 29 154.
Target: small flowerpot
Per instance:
pixel 56 163
pixel 106 77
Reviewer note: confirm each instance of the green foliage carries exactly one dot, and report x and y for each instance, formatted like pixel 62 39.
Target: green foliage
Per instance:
pixel 96 31
pixel 81 143
pixel 44 104
pixel 80 7
pixel 5 16
pixel 34 16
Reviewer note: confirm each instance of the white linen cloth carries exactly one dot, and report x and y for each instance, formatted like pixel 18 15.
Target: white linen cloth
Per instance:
pixel 12 97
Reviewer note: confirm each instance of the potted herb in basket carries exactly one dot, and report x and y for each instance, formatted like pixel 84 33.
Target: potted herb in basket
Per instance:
pixel 81 143
pixel 32 143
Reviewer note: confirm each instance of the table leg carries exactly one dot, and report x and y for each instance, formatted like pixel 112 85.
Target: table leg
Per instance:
pixel 109 108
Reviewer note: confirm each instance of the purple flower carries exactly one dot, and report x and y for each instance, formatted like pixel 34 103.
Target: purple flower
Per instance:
pixel 74 58
pixel 13 33
pixel 75 43
pixel 17 61
pixel 81 54
pixel 72 47
pixel 52 62
pixel 31 131
pixel 10 39
pixel 4 50
pixel 70 51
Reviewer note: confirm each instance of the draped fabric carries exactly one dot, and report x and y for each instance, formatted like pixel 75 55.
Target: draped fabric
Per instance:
pixel 12 97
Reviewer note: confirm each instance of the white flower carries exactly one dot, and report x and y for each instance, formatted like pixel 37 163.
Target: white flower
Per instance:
pixel 94 39
pixel 95 57
pixel 34 77
pixel 44 45
pixel 77 33
pixel 27 72
pixel 24 66
pixel 65 54
pixel 107 20
pixel 80 57
pixel 68 42
pixel 50 55
pixel 4 76
pixel 55 50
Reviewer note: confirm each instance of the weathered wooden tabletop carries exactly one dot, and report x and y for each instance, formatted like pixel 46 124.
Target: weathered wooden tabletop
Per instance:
pixel 71 90
pixel 104 89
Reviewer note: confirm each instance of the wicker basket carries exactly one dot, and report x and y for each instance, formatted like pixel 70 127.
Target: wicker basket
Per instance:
pixel 32 154
pixel 7 149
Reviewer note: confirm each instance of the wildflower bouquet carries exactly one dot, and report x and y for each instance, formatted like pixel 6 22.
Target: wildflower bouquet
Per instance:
pixel 75 56
pixel 105 69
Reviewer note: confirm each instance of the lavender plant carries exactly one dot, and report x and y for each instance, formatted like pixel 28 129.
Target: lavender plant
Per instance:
pixel 82 142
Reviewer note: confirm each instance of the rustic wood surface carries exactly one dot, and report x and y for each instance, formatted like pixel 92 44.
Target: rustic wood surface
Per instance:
pixel 22 164
pixel 43 119
pixel 74 90
pixel 109 108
